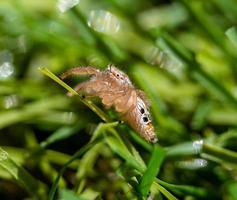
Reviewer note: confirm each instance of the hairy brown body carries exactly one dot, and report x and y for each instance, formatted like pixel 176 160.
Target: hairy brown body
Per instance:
pixel 115 89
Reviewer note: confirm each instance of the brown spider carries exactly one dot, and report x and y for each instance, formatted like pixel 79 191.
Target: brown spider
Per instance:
pixel 115 89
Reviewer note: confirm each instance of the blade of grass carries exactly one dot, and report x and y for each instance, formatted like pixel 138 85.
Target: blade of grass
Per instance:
pixel 189 149
pixel 232 188
pixel 88 103
pixel 152 170
pixel 224 138
pixel 140 141
pixel 221 153
pixel 199 74
pixel 229 8
pixel 69 194
pixel 31 110
pixel 128 154
pixel 232 35
pixel 182 149
pixel 60 134
pixel 87 161
pixel 87 165
pixel 200 116
pixel 101 128
pixel 119 148
pixel 165 192
pixel 185 189
pixel 79 153
pixel 205 21
pixel 20 155
pixel 33 186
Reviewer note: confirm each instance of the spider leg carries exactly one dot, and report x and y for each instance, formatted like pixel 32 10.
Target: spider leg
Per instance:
pixel 85 86
pixel 80 71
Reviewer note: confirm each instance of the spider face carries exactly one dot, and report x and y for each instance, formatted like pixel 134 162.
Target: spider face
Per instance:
pixel 144 119
pixel 118 75
pixel 143 113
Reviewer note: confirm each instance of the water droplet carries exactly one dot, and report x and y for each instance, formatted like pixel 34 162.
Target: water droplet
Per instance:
pixel 3 154
pixel 64 5
pixel 11 101
pixel 6 67
pixel 154 56
pixel 192 164
pixel 69 117
pixel 103 21
pixel 6 70
pixel 197 145
pixel 165 60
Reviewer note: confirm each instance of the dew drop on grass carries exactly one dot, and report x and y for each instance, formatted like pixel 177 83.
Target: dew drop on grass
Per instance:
pixel 3 154
pixel 64 5
pixel 192 164
pixel 197 145
pixel 69 117
pixel 6 67
pixel 165 60
pixel 6 70
pixel 11 101
pixel 103 21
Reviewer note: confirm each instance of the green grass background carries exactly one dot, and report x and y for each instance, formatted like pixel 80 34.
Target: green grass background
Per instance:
pixel 182 53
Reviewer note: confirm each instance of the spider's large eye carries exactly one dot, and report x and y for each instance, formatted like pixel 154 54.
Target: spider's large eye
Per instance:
pixel 117 75
pixel 142 110
pixel 145 119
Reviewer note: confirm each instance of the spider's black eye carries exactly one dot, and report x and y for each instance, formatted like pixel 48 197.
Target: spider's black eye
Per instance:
pixel 117 75
pixel 142 110
pixel 145 119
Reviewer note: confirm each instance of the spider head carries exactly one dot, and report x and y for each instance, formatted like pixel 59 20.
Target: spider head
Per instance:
pixel 118 75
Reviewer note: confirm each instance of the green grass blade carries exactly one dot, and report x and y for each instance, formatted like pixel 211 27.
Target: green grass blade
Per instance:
pixel 60 134
pixel 152 170
pixel 185 189
pixel 232 35
pixel 165 192
pixel 140 141
pixel 68 194
pixel 182 149
pixel 79 153
pixel 101 128
pixel 199 74
pixel 48 73
pixel 31 110
pixel 220 153
pixel 119 148
pixel 33 186
pixel 232 188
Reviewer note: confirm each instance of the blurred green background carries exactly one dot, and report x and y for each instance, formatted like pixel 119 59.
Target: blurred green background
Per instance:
pixel 183 54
